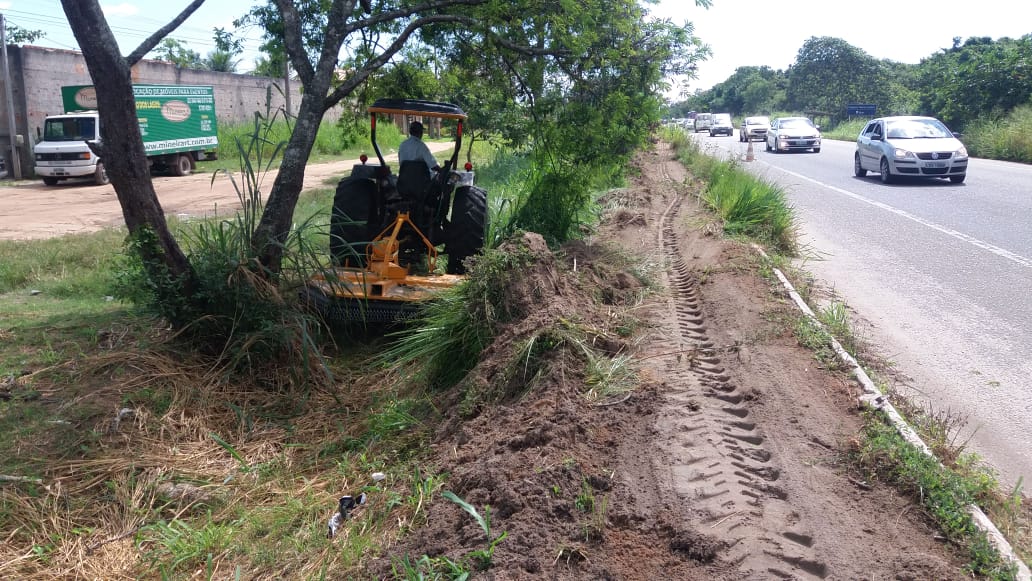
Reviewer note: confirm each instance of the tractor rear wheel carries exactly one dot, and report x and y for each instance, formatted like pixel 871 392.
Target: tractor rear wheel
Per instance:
pixel 465 236
pixel 350 227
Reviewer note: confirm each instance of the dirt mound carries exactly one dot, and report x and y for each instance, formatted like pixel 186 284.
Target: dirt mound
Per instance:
pixel 726 462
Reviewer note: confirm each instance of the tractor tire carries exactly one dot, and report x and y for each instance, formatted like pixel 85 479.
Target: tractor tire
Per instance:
pixel 466 231
pixel 350 223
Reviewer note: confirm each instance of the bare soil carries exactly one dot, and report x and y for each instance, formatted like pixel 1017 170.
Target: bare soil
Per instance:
pixel 730 461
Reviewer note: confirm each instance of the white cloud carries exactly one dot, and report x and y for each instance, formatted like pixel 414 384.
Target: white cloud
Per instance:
pixel 5 5
pixel 123 9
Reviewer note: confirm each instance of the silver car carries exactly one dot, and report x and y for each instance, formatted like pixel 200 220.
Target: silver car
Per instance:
pixel 910 146
pixel 754 128
pixel 793 134
pixel 721 125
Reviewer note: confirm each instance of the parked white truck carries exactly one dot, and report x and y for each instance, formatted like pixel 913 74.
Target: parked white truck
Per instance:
pixel 177 123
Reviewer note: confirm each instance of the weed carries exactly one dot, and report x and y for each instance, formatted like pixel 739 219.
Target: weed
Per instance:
pixel 585 501
pixel 443 567
pixel 836 321
pixel 178 545
pixel 244 466
pixel 814 337
pixel 595 529
pixel 423 492
pixel 427 568
pixel 482 557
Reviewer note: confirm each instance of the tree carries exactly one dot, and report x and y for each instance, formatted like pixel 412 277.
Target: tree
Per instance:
pixel 981 77
pixel 18 35
pixel 173 51
pixel 829 73
pixel 121 145
pixel 269 66
pixel 226 49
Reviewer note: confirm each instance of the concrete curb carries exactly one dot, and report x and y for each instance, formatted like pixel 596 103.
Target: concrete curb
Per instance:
pixel 875 399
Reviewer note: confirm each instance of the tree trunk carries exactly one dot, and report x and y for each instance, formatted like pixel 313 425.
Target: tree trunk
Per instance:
pixel 121 149
pixel 271 234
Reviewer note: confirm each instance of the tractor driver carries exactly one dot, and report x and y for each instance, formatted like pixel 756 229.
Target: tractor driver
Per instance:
pixel 413 148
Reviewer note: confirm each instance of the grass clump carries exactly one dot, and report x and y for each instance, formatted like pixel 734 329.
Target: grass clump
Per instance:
pixel 445 342
pixel 884 455
pixel 751 207
pixel 747 205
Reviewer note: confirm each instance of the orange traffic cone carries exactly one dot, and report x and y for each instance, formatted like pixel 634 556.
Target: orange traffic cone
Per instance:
pixel 749 156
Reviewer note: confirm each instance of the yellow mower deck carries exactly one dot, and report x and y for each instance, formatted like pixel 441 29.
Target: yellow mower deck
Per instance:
pixel 384 291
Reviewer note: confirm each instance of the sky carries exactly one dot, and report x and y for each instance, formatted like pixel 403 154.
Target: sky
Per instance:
pixel 133 21
pixel 739 32
pixel 771 32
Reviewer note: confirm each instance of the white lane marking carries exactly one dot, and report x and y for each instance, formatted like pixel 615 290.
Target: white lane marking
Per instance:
pixel 1001 252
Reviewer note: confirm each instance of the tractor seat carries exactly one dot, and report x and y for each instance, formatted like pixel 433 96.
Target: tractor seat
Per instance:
pixel 413 180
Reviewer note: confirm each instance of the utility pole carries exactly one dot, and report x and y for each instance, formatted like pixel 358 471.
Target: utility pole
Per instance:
pixel 9 95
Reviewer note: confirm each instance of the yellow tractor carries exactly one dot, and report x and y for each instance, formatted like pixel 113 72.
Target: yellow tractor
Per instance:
pixel 386 228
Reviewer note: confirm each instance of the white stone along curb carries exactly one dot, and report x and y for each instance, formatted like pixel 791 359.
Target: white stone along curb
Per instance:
pixel 874 398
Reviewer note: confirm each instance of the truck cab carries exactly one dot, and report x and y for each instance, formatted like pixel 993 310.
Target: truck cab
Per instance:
pixel 63 152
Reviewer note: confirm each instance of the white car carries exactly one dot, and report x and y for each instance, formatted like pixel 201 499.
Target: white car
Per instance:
pixel 754 128
pixel 793 134
pixel 721 125
pixel 910 146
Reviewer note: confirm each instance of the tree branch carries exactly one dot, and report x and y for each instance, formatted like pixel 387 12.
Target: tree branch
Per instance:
pixel 527 50
pixel 333 37
pixel 153 40
pixel 345 88
pixel 295 48
pixel 393 15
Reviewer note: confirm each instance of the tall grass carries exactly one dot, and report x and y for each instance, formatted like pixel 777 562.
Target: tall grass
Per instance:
pixel 70 266
pixel 236 308
pixel 747 205
pixel 846 130
pixel 446 342
pixel 752 207
pixel 334 140
pixel 1008 138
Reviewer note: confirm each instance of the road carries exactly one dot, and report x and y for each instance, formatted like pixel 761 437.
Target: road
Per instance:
pixel 942 274
pixel 30 210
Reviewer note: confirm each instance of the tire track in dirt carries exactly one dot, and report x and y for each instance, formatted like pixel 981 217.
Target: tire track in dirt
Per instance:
pixel 721 465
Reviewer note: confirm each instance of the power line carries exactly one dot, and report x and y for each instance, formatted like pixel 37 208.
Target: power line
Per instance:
pixel 51 21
